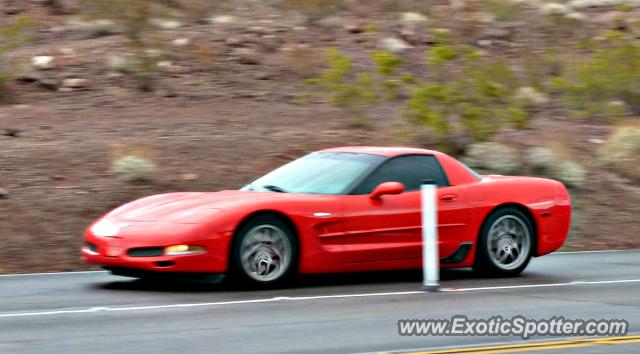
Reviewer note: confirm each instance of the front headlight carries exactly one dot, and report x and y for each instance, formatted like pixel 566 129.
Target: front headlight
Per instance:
pixel 181 250
pixel 105 228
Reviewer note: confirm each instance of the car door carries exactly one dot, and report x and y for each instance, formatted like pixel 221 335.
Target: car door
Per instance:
pixel 389 228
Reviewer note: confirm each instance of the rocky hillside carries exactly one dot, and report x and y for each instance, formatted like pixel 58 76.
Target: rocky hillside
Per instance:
pixel 108 101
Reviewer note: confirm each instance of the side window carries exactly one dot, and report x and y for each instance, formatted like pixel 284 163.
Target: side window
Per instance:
pixel 409 170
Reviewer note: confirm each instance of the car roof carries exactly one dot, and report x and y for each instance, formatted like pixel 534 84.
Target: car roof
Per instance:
pixel 382 150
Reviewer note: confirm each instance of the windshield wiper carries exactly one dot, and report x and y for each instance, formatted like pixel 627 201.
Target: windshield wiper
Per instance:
pixel 274 188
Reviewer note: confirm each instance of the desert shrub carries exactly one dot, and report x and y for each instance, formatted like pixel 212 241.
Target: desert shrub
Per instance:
pixel 554 9
pixel 529 97
pixel 541 159
pixel 304 61
pixel 138 21
pixel 466 93
pixel 570 173
pixel 204 53
pixel 493 157
pixel 548 163
pixel 133 168
pixel 609 74
pixel 352 93
pixel 314 10
pixel 622 151
pixel 94 27
pixel 132 162
pixel 11 37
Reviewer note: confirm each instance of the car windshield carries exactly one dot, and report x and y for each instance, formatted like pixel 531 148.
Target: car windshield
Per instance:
pixel 318 173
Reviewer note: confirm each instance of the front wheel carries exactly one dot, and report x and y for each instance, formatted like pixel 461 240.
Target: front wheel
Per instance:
pixel 505 244
pixel 264 252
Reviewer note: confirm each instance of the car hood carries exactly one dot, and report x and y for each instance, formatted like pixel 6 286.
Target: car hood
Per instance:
pixel 190 207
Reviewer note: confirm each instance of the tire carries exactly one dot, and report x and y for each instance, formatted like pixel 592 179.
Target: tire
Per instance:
pixel 505 244
pixel 264 252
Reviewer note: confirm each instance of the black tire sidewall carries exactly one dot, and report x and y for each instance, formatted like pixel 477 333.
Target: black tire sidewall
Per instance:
pixel 236 270
pixel 483 262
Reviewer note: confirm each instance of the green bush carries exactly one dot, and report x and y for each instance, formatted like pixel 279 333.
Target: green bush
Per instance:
pixel 11 37
pixel 609 74
pixel 386 62
pixel 622 151
pixel 466 93
pixel 387 65
pixel 352 93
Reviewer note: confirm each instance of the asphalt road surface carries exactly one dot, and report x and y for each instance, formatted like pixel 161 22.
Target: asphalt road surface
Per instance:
pixel 95 312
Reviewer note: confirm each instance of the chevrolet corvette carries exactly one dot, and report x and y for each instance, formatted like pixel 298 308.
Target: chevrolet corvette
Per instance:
pixel 347 209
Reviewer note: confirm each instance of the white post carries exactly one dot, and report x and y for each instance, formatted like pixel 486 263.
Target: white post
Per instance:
pixel 430 257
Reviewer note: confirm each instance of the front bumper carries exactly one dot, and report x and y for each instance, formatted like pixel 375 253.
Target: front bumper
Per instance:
pixel 204 263
pixel 113 253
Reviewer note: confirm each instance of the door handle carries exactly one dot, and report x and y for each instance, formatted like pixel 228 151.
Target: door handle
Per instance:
pixel 449 198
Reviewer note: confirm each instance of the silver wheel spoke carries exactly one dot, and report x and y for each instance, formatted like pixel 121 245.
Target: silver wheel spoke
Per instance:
pixel 265 252
pixel 508 242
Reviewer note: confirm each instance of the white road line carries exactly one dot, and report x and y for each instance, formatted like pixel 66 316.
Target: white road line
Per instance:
pixel 298 298
pixel 579 282
pixel 199 304
pixel 103 271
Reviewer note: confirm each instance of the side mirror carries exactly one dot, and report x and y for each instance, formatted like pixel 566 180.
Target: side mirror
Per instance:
pixel 386 188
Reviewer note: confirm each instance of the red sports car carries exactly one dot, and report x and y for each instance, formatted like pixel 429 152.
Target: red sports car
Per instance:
pixel 336 210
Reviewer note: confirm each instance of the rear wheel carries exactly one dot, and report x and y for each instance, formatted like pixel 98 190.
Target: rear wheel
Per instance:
pixel 505 244
pixel 264 252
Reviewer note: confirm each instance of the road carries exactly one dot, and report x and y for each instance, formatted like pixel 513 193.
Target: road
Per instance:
pixel 95 312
